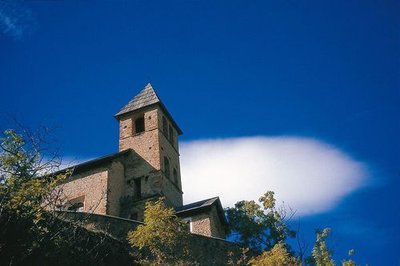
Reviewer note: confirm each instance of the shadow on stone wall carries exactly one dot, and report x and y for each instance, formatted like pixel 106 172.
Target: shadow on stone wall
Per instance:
pixel 111 225
pixel 63 243
pixel 208 250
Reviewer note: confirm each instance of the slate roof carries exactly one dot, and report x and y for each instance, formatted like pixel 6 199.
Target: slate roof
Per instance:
pixel 196 205
pixel 201 207
pixel 146 97
pixel 88 165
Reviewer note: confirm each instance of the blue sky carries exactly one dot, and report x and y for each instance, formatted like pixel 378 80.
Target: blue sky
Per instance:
pixel 311 85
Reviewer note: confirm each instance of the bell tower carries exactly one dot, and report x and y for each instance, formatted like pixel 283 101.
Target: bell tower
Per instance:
pixel 146 127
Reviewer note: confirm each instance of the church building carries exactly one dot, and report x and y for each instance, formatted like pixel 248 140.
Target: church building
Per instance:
pixel 145 168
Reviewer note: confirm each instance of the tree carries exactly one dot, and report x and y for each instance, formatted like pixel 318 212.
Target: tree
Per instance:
pixel 163 238
pixel 321 255
pixel 277 256
pixel 25 186
pixel 349 262
pixel 259 227
pixel 263 229
pixel 31 232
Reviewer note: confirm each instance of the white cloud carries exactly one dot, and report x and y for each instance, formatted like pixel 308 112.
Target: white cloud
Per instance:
pixel 15 19
pixel 309 175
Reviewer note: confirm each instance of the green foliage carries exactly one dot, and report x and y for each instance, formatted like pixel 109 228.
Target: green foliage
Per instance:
pixel 349 262
pixel 277 256
pixel 163 236
pixel 259 227
pixel 239 259
pixel 321 255
pixel 262 228
pixel 26 183
pixel 31 233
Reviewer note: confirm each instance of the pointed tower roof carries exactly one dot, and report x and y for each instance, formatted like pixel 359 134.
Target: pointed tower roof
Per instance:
pixel 145 98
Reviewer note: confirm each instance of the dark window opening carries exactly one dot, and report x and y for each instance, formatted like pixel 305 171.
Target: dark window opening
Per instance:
pixel 139 125
pixel 138 188
pixel 165 126
pixel 175 176
pixel 171 135
pixel 166 167
pixel 76 205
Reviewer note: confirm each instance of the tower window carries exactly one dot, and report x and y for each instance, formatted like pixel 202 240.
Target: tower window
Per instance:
pixel 175 176
pixel 139 125
pixel 171 135
pixel 165 126
pixel 166 167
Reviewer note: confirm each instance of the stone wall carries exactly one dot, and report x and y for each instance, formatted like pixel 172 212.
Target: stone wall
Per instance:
pixel 115 187
pixel 172 187
pixel 207 250
pixel 138 173
pixel 153 147
pixel 215 251
pixel 207 224
pixel 112 187
pixel 145 143
pixel 63 244
pixel 200 224
pixel 217 229
pixel 91 186
pixel 111 225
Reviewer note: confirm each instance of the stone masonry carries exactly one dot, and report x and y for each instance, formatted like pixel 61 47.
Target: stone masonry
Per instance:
pixel 145 168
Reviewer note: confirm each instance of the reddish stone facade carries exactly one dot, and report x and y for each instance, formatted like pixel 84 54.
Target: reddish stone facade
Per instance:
pixel 146 167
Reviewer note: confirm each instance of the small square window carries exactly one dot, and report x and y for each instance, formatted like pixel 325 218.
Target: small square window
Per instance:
pixel 165 127
pixel 139 125
pixel 171 135
pixel 166 167
pixel 76 205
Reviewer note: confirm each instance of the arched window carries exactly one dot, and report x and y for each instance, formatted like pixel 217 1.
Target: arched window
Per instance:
pixel 175 177
pixel 139 125
pixel 166 167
